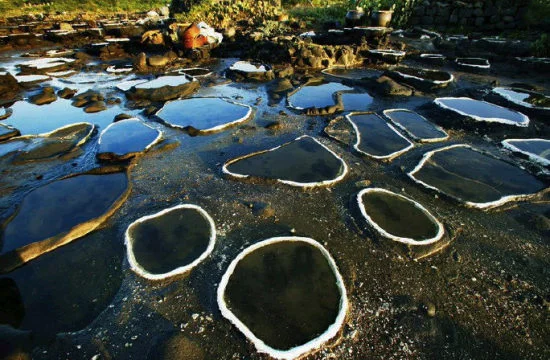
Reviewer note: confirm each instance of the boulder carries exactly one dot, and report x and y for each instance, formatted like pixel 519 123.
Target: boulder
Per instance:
pixel 45 97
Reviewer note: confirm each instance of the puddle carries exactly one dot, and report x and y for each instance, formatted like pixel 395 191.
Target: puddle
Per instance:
pixel 399 218
pixel 423 77
pixel 352 73
pixel 91 78
pixel 45 63
pixel 476 179
pixel 304 162
pixel 126 138
pixel 7 132
pixel 356 101
pixel 416 126
pixel 127 85
pixel 196 72
pixel 285 295
pixel 389 55
pixel 163 81
pixel 204 114
pixel 30 79
pixel 473 63
pixel 315 95
pixel 525 98
pixel 538 150
pixel 30 119
pixel 248 67
pixel 56 143
pixel 483 111
pixel 59 212
pixel 376 138
pixel 65 290
pixel 170 242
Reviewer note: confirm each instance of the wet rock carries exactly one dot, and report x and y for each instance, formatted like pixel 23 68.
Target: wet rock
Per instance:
pixel 304 162
pixel 162 60
pixel 9 87
pixel 170 242
pixel 274 126
pixel 45 97
pixel 178 346
pixel 341 130
pixel 140 63
pixel 38 228
pixel 294 310
pixel 387 86
pixel 164 88
pixel 7 132
pixel 66 93
pixel 95 106
pixel 122 116
pixel 423 79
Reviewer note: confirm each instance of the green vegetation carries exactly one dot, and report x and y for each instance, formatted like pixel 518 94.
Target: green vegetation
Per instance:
pixel 20 7
pixel 321 13
pixel 541 47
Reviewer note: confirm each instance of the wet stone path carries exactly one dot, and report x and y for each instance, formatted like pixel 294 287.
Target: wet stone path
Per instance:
pixel 128 258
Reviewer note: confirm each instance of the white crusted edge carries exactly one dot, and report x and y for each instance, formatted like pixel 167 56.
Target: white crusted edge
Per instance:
pixel 487 205
pixel 289 182
pixel 137 268
pixel 433 56
pixel 358 137
pixel 134 119
pixel 183 72
pixel 533 157
pixel 503 91
pixel 408 241
pixel 523 123
pixel 46 134
pixel 215 128
pixel 396 53
pixel 297 351
pixel 113 70
pixel 438 82
pixel 290 105
pixel 424 140
pixel 487 66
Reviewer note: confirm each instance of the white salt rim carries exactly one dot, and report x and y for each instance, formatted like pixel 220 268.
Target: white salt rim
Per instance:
pixel 395 53
pixel 113 69
pixel 289 182
pixel 533 157
pixel 59 52
pixel 61 73
pixel 134 120
pixel 289 103
pixel 433 56
pixel 487 205
pixel 215 128
pixel 517 96
pixel 184 72
pixel 30 78
pixel 523 123
pixel 261 346
pixel 127 85
pixel 44 62
pixel 379 157
pixel 49 133
pixel 116 40
pixel 163 81
pixel 138 269
pixel 410 134
pixel 460 61
pixel 248 67
pixel 439 82
pixel 408 241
